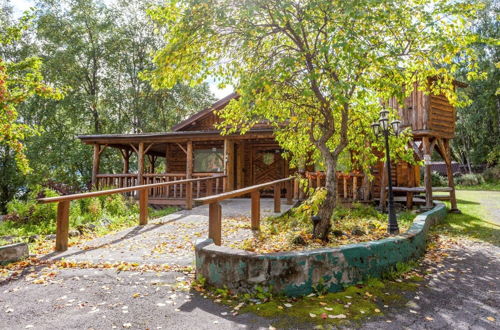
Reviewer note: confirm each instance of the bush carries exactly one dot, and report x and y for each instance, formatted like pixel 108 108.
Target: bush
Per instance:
pixel 470 179
pixel 30 211
pixel 492 174
pixel 438 180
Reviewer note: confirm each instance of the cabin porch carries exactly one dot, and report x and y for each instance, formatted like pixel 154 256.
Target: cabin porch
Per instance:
pixel 243 160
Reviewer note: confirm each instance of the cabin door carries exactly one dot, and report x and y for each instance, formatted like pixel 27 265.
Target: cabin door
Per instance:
pixel 267 165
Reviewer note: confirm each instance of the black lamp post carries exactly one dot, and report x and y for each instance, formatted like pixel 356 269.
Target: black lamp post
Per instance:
pixel 383 128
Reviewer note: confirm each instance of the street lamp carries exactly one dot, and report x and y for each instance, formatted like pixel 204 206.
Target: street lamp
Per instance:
pixel 383 128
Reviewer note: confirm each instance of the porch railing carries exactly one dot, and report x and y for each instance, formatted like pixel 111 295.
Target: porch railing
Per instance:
pixel 349 185
pixel 177 190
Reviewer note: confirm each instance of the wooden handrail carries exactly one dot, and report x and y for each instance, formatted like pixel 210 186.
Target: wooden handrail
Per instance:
pixel 171 174
pixel 239 192
pixel 121 190
pixel 215 209
pixel 63 204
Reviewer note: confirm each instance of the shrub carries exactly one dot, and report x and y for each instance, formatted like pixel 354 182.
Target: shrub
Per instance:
pixel 492 174
pixel 29 210
pixel 438 180
pixel 470 179
pixel 94 208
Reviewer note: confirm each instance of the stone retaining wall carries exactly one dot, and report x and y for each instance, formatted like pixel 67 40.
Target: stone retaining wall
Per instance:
pixel 297 273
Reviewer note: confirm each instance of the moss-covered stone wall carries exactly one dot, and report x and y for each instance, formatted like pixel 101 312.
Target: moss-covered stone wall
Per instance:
pixel 298 273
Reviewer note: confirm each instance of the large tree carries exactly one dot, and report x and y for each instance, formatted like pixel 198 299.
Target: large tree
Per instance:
pixel 315 69
pixel 478 127
pixel 20 79
pixel 93 50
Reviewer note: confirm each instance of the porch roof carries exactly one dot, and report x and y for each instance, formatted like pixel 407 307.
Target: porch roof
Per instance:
pixel 124 141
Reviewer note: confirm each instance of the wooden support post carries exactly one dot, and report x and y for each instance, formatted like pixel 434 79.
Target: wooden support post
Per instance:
pixel 140 163
pixel 62 229
pixel 255 210
pixel 210 188
pixel 277 198
pixel 189 175
pixel 345 186
pixel 289 192
pixel 240 163
pixel 189 196
pixel 215 223
pixel 166 157
pixel 427 172
pixel 126 160
pixel 229 164
pixel 96 159
pixel 446 151
pixel 409 200
pixel 143 207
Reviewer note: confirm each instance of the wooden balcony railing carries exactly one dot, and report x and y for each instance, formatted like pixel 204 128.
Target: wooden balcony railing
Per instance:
pixel 63 203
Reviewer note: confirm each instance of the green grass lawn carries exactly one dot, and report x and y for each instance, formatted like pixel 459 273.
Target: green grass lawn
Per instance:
pixel 481 187
pixel 479 220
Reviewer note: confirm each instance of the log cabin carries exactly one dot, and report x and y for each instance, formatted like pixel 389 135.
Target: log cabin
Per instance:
pixel 194 148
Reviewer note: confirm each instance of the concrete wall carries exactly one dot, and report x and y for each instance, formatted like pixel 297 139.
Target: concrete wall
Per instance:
pixel 297 273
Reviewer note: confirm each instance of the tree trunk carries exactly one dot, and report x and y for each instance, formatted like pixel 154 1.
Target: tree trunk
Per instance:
pixel 322 229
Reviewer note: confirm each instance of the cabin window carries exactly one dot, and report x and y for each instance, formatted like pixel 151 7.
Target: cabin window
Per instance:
pixel 208 160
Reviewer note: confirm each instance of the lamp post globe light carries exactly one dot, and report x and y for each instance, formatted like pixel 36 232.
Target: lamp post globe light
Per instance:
pixel 382 127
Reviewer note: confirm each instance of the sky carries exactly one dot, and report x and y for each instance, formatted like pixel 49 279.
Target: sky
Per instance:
pixel 22 5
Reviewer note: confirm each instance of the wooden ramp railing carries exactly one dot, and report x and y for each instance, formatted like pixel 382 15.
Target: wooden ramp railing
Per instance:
pixel 63 204
pixel 215 210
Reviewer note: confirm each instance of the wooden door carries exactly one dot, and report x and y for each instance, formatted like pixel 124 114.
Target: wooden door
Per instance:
pixel 267 165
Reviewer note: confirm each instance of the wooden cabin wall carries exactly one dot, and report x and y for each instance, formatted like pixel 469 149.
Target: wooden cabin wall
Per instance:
pixel 206 123
pixel 412 113
pixel 441 116
pixel 403 175
pixel 431 113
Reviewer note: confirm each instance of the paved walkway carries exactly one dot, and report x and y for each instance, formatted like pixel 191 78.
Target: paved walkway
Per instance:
pixel 460 290
pixel 169 240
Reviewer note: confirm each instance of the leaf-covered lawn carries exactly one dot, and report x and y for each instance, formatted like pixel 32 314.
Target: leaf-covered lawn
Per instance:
pixel 294 230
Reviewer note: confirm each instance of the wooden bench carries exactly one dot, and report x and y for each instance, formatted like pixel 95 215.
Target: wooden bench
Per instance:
pixel 215 210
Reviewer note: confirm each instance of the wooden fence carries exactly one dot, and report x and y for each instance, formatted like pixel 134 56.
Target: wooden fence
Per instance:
pixel 63 203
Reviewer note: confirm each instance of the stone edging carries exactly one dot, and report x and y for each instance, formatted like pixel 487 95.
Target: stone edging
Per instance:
pixel 13 252
pixel 297 273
